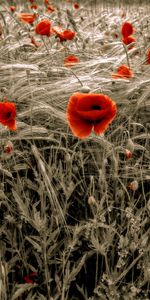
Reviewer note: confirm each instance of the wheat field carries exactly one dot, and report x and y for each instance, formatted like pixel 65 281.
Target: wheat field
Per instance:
pixel 74 213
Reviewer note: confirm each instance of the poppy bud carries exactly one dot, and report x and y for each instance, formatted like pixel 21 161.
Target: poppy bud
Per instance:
pixel 130 145
pixel 85 89
pixel 133 185
pixel 91 200
pixel 12 8
pixel 68 157
pixel 128 153
pixel 8 148
pixel 76 5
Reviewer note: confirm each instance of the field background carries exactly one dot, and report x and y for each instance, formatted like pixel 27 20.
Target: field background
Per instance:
pixel 67 212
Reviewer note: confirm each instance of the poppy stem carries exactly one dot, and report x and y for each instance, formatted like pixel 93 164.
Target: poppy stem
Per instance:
pixel 77 77
pixel 127 56
pixel 45 45
pixel 31 105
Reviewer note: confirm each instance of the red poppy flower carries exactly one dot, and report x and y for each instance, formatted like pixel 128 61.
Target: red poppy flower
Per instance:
pixel 34 6
pixel 12 8
pixel 43 27
pixel 65 35
pixel 71 60
pixel 27 17
pixel 87 111
pixel 127 29
pixel 28 279
pixel 76 5
pixel 50 8
pixel 128 40
pixel 8 114
pixel 46 2
pixel 123 72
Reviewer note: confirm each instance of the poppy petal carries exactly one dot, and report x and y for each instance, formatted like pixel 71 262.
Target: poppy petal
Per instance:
pixel 103 125
pixel 127 29
pixel 123 72
pixel 92 115
pixel 43 27
pixel 80 128
pixel 85 102
pixel 11 124
pixel 27 17
pixel 129 40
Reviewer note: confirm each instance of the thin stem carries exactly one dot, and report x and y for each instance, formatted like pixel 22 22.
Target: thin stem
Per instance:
pixel 126 52
pixel 45 46
pixel 77 77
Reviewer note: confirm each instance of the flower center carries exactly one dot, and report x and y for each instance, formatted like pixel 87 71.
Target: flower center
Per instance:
pixel 8 114
pixel 96 107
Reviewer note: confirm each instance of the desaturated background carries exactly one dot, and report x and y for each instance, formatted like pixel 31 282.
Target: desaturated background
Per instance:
pixel 71 226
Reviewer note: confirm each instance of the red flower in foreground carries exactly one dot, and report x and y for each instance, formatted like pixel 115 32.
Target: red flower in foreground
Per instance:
pixel 123 72
pixel 127 29
pixel 71 60
pixel 8 114
pixel 88 111
pixel 65 35
pixel 128 40
pixel 27 17
pixel 43 27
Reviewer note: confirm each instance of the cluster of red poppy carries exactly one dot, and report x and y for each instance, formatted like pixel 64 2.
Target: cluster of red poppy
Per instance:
pixel 84 111
pixel 127 31
pixel 44 27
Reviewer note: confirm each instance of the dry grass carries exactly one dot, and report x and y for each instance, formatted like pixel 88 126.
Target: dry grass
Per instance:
pixel 67 212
